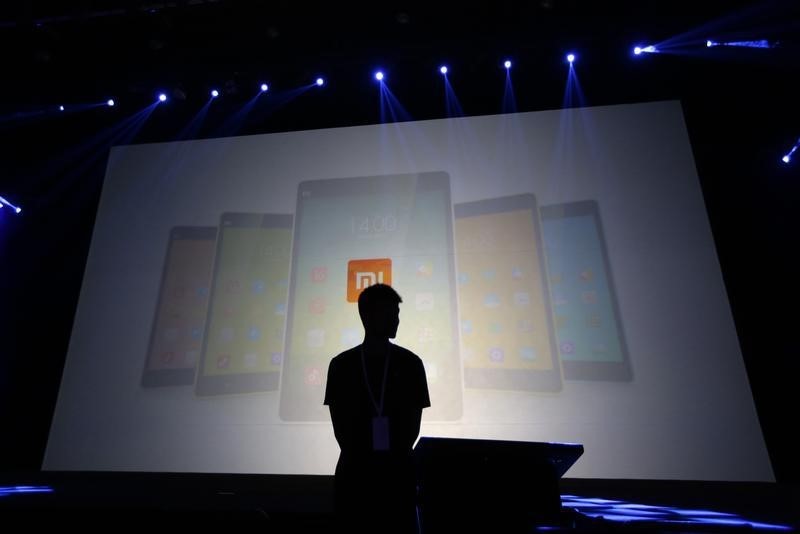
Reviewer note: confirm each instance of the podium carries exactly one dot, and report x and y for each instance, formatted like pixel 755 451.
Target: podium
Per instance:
pixel 476 485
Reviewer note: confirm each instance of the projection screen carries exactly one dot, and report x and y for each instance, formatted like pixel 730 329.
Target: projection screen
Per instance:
pixel 558 275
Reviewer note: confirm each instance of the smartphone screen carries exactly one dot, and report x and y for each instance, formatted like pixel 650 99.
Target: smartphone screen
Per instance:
pixel 179 322
pixel 506 325
pixel 243 347
pixel 586 314
pixel 351 233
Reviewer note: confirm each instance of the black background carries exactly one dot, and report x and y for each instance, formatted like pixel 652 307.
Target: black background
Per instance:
pixel 741 109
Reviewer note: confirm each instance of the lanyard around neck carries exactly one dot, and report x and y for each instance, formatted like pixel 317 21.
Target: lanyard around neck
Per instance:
pixel 378 406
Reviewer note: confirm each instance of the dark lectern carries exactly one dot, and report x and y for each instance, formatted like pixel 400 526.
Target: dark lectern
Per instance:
pixel 476 485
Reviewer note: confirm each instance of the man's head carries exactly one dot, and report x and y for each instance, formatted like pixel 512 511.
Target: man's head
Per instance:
pixel 379 308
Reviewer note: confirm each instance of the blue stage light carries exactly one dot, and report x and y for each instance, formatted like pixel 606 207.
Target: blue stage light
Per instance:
pixel 570 58
pixel 60 108
pixel 214 93
pixel 443 69
pixel 507 64
pixel 710 43
pixel 639 50
pixel 379 76
pixel 320 82
pixel 786 158
pixel 162 97
pixel 110 102
pixel 264 87
pixel 4 202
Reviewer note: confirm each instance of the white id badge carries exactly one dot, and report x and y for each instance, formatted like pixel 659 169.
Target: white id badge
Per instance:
pixel 380 433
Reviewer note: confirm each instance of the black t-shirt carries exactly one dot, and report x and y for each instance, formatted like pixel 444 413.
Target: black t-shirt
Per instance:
pixel 406 394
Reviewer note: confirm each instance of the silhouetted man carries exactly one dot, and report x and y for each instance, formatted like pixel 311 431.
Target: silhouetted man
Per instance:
pixel 376 392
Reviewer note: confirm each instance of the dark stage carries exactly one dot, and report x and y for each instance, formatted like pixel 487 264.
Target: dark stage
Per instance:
pixel 728 114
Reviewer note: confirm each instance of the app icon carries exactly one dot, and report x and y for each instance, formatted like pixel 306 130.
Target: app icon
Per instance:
pixel 319 274
pixel 313 376
pixel 171 335
pixel 586 275
pixel 567 347
pixel 528 354
pixel 424 301
pixel 489 274
pixel 599 348
pixel 196 333
pixel 560 321
pixel 431 372
pixel 283 282
pixel 516 273
pixel 253 333
pixel 589 297
pixel 276 358
pixel 317 306
pixel 233 286
pixel 466 326
pixel 497 355
pixel 525 325
pixel 555 278
pixel 424 269
pixel 491 300
pixel 167 357
pixel 202 292
pixel 593 320
pixel 280 309
pixel 364 273
pixel 425 334
pixel 315 337
pixel 463 279
pixel 191 357
pixel 259 286
pixel 226 334
pixel 522 298
pixel 250 360
pixel 495 327
pixel 223 361
pixel 228 311
pixel 349 337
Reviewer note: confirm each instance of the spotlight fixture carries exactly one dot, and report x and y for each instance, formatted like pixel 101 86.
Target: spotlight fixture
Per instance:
pixel 110 103
pixel 4 202
pixel 320 82
pixel 507 64
pixel 379 76
pixel 162 97
pixel 443 69
pixel 264 88
pixel 571 58
pixel 214 93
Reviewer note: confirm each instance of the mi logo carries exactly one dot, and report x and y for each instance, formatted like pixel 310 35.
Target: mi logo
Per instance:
pixel 364 273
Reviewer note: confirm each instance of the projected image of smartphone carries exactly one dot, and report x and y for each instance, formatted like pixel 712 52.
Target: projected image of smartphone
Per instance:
pixel 586 314
pixel 507 334
pixel 243 345
pixel 176 336
pixel 349 234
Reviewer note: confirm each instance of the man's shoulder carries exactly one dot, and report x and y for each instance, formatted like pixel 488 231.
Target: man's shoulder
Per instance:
pixel 346 357
pixel 406 355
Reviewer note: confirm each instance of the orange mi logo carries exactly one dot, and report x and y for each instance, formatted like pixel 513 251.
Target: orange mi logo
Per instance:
pixel 364 273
